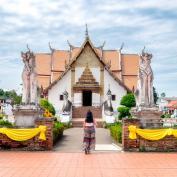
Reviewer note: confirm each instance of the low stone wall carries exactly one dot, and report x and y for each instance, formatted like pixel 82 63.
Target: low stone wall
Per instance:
pixel 34 143
pixel 169 143
pixel 128 144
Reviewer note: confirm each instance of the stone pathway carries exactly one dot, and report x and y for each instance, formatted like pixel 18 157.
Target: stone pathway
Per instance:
pixel 54 164
pixel 73 137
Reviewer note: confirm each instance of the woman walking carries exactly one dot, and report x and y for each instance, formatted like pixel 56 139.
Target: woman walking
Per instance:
pixel 89 132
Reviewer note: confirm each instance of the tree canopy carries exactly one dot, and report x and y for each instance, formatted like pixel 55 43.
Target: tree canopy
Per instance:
pixel 155 95
pixel 16 99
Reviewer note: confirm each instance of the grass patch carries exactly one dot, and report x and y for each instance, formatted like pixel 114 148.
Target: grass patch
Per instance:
pixel 116 131
pixel 58 130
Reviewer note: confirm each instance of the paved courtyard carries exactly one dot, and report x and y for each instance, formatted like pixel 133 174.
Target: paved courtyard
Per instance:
pixel 73 137
pixel 67 160
pixel 54 164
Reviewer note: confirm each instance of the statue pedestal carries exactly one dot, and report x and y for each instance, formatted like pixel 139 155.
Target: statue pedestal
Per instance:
pixel 109 119
pixel 25 115
pixel 149 116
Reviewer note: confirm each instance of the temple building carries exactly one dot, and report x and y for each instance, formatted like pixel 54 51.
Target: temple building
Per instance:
pixel 87 73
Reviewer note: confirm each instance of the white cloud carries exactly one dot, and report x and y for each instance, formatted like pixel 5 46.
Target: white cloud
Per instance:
pixel 114 5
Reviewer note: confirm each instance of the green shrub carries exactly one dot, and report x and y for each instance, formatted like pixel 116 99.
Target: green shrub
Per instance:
pixel 58 125
pixel 45 104
pixel 5 123
pixel 57 130
pixel 128 100
pixel 67 125
pixel 162 116
pixel 1 116
pixel 108 125
pixel 167 116
pixel 123 112
pixel 116 132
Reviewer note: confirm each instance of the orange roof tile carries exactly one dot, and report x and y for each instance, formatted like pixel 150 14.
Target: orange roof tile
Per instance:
pixel 55 75
pixel 113 56
pixel 43 64
pixel 75 52
pixel 130 81
pixel 130 64
pixel 117 74
pixel 43 81
pixel 172 104
pixel 59 57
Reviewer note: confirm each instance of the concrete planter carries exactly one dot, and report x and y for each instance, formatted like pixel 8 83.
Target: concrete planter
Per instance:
pixel 25 115
pixel 65 118
pixel 110 119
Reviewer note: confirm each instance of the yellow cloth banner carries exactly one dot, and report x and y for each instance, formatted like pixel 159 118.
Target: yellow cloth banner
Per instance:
pixel 151 134
pixel 24 134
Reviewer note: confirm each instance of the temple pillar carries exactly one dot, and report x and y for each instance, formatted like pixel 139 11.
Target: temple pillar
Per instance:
pixel 77 99
pixel 96 99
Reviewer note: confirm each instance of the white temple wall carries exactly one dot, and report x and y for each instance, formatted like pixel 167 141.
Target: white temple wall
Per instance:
pixel 58 89
pixel 116 89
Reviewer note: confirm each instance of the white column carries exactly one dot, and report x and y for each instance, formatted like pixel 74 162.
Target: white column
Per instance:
pixel 96 99
pixel 77 99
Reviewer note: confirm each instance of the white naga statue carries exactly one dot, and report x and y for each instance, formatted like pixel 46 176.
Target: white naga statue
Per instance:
pixel 29 78
pixel 108 109
pixel 66 109
pixel 144 92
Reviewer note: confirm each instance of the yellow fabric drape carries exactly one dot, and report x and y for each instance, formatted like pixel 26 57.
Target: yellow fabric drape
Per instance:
pixel 151 134
pixel 24 134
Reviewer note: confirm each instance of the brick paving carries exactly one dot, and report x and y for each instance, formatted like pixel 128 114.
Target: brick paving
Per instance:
pixel 55 164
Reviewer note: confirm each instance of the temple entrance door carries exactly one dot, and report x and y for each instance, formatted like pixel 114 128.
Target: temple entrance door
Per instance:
pixel 87 98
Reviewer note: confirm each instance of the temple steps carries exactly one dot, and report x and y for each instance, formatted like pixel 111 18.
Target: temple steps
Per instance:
pixel 80 112
pixel 78 122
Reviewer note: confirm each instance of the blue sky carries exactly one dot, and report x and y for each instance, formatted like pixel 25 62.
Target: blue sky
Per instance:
pixel 152 23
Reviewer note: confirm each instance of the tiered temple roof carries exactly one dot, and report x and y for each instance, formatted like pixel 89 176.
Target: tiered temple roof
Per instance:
pixel 51 66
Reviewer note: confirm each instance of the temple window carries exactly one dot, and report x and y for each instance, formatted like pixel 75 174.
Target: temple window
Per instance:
pixel 113 97
pixel 61 97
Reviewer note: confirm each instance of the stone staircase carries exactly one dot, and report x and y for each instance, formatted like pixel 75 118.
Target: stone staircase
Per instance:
pixel 78 122
pixel 79 114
